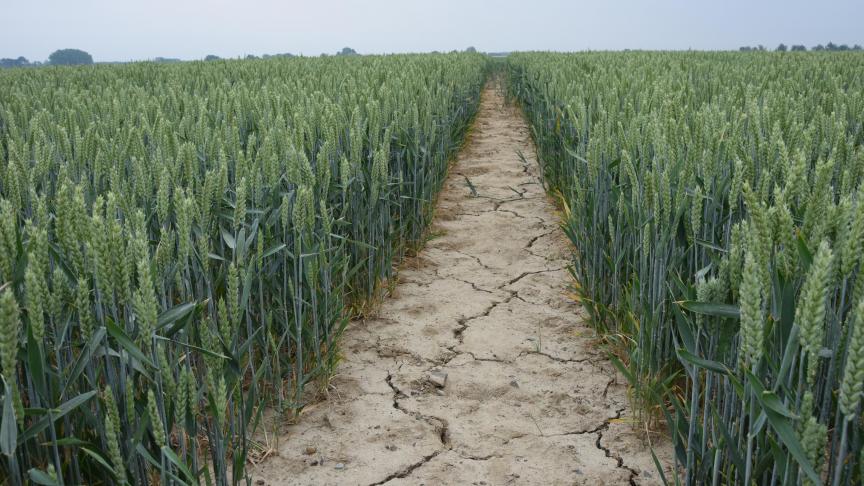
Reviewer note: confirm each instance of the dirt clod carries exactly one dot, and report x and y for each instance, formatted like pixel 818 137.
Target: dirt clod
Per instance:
pixel 438 378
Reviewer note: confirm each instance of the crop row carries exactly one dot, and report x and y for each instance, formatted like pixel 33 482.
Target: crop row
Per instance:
pixel 716 205
pixel 181 247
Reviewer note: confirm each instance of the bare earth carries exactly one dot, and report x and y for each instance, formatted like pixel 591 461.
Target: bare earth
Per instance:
pixel 528 398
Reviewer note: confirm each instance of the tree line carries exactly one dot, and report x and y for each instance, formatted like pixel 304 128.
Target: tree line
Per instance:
pixel 800 48
pixel 60 57
pixel 72 57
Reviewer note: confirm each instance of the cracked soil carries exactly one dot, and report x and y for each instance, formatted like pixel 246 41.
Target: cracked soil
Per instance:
pixel 529 397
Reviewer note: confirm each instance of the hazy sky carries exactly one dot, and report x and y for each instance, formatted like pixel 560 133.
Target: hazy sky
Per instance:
pixel 118 30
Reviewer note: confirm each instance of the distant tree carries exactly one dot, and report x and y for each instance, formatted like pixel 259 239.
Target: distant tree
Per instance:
pixel 857 47
pixel 212 57
pixel 745 48
pixel 69 57
pixel 818 47
pixel 10 63
pixel 347 51
pixel 831 46
pixel 781 48
pixel 798 48
pixel 761 48
pixel 470 49
pixel 843 47
pixel 251 56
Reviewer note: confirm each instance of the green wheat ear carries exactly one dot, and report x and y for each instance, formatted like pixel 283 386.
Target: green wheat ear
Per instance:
pixel 852 386
pixel 8 240
pixel 156 424
pixel 810 312
pixel 10 329
pixel 36 297
pixel 752 313
pixel 112 435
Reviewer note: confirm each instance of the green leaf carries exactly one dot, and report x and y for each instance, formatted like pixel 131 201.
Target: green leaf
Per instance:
pixel 57 414
pixel 714 366
pixel 175 313
pixel 192 346
pixel 68 442
pixel 721 425
pixel 712 246
pixel 40 477
pixel 36 362
pixel 273 250
pixel 98 458
pixel 9 427
pixel 805 253
pixel 143 452
pixel 127 343
pixel 171 456
pixel 711 309
pixel 228 238
pixel 84 358
pixel 782 425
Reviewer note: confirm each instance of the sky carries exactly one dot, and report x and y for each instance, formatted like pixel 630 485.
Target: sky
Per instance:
pixel 123 30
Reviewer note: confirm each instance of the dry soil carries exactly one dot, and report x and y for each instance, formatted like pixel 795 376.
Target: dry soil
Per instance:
pixel 479 368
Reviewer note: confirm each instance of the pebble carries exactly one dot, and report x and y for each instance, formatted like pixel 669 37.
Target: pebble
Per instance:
pixel 438 378
pixel 514 384
pixel 340 466
pixel 310 450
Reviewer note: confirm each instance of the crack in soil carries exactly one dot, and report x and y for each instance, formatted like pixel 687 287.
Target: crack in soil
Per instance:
pixel 614 455
pixel 438 423
pixel 555 358
pixel 404 473
pixel 535 272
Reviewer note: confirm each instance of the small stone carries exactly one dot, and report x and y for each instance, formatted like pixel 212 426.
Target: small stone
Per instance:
pixel 514 384
pixel 259 482
pixel 390 447
pixel 340 466
pixel 314 463
pixel 438 378
pixel 310 450
pixel 439 392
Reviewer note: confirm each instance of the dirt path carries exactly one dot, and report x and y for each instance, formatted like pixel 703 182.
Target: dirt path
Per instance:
pixel 528 398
